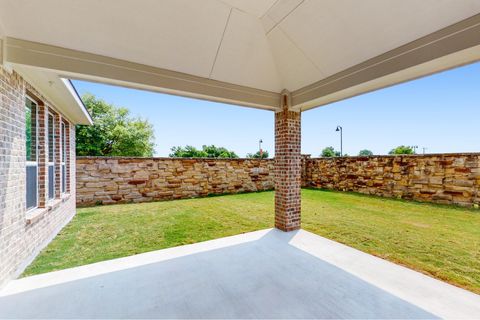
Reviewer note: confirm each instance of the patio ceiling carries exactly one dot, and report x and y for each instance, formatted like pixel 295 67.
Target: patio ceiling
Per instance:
pixel 243 51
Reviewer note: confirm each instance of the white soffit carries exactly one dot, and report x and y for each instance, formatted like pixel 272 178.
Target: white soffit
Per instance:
pixel 278 12
pixel 441 64
pixel 57 91
pixel 244 56
pixel 337 34
pixel 178 35
pixel 257 8
pixel 2 36
pixel 295 69
pixel 2 30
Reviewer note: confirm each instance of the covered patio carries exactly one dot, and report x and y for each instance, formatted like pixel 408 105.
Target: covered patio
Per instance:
pixel 285 56
pixel 262 274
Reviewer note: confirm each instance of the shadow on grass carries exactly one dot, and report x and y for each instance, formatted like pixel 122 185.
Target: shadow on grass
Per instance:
pixel 388 199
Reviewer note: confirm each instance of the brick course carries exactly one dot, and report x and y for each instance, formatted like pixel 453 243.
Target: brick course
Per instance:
pixel 42 155
pixel 287 170
pixel 23 234
pixel 58 155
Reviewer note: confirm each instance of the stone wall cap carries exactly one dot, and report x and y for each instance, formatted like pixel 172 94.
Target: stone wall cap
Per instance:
pixel 165 158
pixel 453 154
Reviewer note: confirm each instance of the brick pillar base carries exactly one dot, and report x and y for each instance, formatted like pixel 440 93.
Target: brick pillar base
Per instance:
pixel 287 167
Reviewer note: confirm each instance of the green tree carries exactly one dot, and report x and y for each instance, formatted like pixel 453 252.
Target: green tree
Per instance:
pixel 206 152
pixel 187 152
pixel 28 132
pixel 329 152
pixel 402 150
pixel 365 152
pixel 256 155
pixel 218 152
pixel 114 132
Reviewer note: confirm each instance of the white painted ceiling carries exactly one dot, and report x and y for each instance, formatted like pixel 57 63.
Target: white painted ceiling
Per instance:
pixel 263 44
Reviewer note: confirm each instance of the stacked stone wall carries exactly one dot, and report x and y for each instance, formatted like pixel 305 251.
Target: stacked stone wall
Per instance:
pixel 439 178
pixel 123 180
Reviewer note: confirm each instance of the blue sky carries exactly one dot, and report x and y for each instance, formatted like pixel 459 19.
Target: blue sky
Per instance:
pixel 439 112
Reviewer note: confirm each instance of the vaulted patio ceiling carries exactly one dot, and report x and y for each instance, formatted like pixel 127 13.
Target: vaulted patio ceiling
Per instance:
pixel 242 51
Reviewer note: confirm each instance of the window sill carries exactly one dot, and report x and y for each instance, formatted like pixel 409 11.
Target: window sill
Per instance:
pixel 53 204
pixel 65 196
pixel 35 215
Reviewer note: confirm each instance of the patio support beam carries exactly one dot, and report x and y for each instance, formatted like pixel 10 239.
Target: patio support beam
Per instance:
pixel 287 166
pixel 73 64
pixel 450 47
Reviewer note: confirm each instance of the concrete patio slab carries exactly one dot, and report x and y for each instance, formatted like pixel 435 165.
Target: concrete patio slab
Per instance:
pixel 262 274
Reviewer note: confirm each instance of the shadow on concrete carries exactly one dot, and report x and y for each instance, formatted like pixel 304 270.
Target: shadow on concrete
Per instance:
pixel 266 278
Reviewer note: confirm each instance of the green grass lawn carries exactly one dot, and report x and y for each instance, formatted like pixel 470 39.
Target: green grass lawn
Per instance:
pixel 441 241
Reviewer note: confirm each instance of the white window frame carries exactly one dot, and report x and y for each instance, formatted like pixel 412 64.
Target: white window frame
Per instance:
pixel 51 162
pixel 29 163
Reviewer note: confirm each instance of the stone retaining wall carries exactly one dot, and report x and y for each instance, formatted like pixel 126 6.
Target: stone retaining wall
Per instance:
pixel 121 180
pixel 439 178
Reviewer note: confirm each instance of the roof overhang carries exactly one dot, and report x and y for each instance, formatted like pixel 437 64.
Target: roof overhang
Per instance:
pixel 73 64
pixel 58 90
pixel 453 46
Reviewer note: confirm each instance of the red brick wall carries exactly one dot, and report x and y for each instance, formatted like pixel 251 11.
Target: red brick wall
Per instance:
pixel 287 170
pixel 42 154
pixel 58 155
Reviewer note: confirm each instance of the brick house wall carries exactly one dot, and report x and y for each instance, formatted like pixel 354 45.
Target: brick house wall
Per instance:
pixel 121 180
pixel 23 234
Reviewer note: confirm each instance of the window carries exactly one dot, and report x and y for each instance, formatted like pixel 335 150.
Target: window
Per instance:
pixel 31 140
pixel 64 156
pixel 51 156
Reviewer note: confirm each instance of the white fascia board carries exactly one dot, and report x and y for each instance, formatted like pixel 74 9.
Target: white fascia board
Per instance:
pixel 73 92
pixel 87 66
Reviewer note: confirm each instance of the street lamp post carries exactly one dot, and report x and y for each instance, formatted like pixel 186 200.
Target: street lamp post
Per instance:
pixel 260 151
pixel 339 128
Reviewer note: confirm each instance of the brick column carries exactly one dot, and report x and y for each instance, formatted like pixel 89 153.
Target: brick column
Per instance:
pixel 42 155
pixel 58 155
pixel 67 158
pixel 287 167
